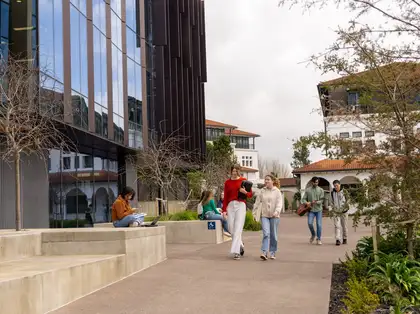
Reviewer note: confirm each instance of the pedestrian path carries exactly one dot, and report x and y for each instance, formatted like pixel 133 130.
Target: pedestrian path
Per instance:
pixel 201 279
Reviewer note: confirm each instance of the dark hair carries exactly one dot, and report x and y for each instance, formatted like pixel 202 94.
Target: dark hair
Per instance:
pixel 314 179
pixel 336 181
pixel 205 197
pixel 236 167
pixel 128 190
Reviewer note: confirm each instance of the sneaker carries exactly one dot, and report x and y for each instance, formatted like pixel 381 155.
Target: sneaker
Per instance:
pixel 318 242
pixel 242 251
pixel 273 256
pixel 134 224
pixel 311 240
pixel 236 257
pixel 344 241
pixel 338 243
pixel 227 234
pixel 263 256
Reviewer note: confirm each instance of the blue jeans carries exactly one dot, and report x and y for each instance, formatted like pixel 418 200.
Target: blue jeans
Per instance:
pixel 311 217
pixel 127 220
pixel 269 228
pixel 214 216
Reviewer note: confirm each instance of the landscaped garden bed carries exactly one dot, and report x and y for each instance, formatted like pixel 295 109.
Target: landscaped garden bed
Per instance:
pixel 390 284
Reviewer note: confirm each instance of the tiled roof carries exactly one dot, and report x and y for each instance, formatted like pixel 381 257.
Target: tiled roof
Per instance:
pixel 288 182
pixel 246 169
pixel 410 69
pixel 243 133
pixel 219 124
pixel 333 165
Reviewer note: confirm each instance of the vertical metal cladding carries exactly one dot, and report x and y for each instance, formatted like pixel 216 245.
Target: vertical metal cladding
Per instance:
pixel 180 64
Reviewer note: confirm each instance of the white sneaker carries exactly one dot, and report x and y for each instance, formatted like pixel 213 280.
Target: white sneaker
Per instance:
pixel 318 242
pixel 134 224
pixel 311 240
pixel 227 234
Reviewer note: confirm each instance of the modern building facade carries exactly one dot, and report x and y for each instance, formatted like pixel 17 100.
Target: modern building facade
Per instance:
pixel 243 144
pixel 102 59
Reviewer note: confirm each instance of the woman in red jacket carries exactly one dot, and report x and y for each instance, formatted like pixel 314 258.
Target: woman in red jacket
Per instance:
pixel 235 209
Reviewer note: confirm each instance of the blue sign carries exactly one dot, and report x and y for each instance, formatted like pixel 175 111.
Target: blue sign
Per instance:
pixel 211 225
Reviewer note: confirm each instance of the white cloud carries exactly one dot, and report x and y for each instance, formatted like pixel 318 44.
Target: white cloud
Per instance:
pixel 255 77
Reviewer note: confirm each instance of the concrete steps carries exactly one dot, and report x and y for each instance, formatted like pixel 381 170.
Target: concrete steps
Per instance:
pixel 44 283
pixel 43 270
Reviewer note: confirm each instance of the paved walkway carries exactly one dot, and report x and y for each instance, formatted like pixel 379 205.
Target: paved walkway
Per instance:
pixel 202 279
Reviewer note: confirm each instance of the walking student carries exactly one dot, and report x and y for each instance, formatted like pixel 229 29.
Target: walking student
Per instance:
pixel 314 197
pixel 267 207
pixel 235 208
pixel 210 211
pixel 339 213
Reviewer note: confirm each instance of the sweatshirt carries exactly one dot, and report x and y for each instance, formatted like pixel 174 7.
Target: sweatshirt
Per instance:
pixel 338 201
pixel 270 201
pixel 231 192
pixel 210 207
pixel 120 209
pixel 314 194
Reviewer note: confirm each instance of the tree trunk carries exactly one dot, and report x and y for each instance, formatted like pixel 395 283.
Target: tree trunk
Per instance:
pixel 410 235
pixel 18 192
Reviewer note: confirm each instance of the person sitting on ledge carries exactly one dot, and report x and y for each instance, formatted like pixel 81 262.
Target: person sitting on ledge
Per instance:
pixel 122 213
pixel 210 211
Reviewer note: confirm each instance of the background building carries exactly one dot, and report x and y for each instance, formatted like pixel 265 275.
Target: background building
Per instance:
pixel 103 58
pixel 243 144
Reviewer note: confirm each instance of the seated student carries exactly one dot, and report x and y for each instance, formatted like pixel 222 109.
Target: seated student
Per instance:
pixel 122 213
pixel 210 211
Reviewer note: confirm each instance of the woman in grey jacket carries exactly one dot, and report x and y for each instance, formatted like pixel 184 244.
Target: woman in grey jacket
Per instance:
pixel 267 207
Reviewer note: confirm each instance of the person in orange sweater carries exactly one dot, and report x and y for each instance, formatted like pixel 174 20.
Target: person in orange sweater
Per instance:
pixel 122 213
pixel 235 208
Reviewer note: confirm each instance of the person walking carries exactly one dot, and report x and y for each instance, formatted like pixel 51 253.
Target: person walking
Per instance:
pixel 267 208
pixel 339 209
pixel 314 197
pixel 235 208
pixel 210 211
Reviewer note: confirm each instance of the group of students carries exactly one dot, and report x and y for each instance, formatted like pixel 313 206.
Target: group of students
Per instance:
pixel 267 209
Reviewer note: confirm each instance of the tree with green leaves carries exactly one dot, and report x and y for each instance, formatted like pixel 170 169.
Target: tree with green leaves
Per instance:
pixel 380 63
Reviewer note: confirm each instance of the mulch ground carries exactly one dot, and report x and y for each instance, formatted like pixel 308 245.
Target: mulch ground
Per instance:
pixel 339 290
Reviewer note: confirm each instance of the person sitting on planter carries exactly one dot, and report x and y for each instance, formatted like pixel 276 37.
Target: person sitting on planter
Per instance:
pixel 210 211
pixel 122 213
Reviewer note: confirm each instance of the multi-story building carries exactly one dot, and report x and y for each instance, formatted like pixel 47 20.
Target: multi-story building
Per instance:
pixel 243 144
pixel 113 64
pixel 343 112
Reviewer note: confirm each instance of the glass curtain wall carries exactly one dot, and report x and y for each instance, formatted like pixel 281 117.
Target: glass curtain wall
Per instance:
pixel 117 70
pixel 4 28
pixel 100 67
pixel 150 76
pixel 82 188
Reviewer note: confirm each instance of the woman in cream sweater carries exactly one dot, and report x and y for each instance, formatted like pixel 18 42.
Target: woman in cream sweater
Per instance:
pixel 267 208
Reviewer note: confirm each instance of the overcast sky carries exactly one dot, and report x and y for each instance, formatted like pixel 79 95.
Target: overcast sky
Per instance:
pixel 255 79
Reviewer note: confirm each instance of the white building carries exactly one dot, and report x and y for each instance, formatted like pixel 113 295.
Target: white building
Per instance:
pixel 243 144
pixel 80 183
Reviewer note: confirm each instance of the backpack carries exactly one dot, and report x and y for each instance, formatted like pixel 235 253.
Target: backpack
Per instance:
pixel 200 211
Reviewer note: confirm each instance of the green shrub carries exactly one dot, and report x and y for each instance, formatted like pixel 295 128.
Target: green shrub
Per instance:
pixel 357 268
pixel 184 215
pixel 250 223
pixel 67 223
pixel 359 300
pixel 286 204
pixel 397 279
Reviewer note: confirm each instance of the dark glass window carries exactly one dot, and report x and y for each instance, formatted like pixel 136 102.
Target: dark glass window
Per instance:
pixel 87 162
pixel 344 135
pixel 357 134
pixel 353 98
pixel 66 163
pixel 4 19
pixel 369 133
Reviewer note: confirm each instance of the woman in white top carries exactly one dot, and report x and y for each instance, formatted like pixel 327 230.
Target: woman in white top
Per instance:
pixel 267 208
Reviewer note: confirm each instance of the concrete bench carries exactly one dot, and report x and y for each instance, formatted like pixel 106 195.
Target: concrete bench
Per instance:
pixel 188 231
pixel 42 270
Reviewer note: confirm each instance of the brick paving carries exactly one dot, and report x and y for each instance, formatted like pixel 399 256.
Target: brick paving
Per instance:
pixel 203 279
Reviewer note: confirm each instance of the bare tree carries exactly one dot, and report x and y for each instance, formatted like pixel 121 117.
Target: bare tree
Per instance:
pixel 274 167
pixel 29 118
pixel 162 163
